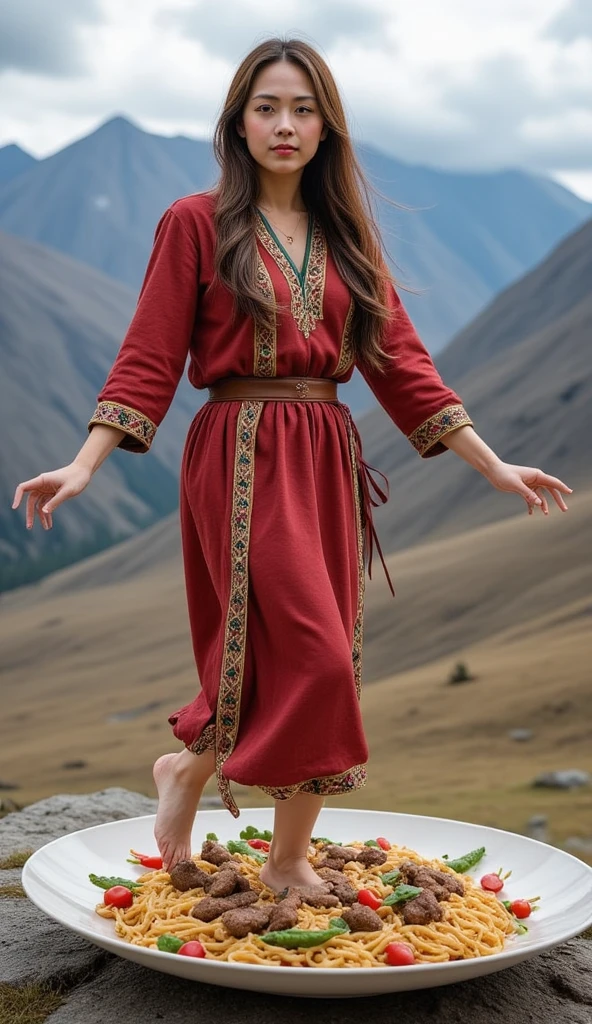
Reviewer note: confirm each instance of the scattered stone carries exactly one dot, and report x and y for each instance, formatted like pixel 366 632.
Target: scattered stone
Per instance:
pixel 75 764
pixel 581 844
pixel 536 828
pixel 9 785
pixel 520 735
pixel 563 779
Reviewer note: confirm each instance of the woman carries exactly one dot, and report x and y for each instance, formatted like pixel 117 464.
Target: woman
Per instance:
pixel 276 286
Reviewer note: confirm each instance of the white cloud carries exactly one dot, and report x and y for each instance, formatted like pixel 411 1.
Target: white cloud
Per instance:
pixel 461 84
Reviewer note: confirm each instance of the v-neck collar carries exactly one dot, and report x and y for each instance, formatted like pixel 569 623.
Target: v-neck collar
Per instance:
pixel 307 286
pixel 300 274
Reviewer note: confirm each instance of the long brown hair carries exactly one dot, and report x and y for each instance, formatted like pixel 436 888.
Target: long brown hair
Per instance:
pixel 333 188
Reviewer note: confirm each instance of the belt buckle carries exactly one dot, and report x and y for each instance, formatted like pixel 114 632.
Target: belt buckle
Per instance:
pixel 302 388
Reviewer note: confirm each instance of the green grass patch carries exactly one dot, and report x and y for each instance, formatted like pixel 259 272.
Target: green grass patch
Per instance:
pixel 31 1004
pixel 12 892
pixel 15 860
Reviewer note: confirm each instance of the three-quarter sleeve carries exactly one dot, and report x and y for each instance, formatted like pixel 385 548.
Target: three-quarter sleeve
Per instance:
pixel 144 377
pixel 411 389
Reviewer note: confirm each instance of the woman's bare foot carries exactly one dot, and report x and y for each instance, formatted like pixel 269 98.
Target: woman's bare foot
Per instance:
pixel 296 871
pixel 180 779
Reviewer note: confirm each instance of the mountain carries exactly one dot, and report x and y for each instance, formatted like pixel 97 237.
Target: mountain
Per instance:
pixel 524 372
pixel 465 237
pixel 14 161
pixel 61 324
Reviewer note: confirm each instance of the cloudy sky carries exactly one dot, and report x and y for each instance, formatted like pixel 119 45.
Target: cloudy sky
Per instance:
pixel 470 84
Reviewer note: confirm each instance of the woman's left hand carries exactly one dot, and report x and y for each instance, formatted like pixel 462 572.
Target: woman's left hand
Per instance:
pixel 530 483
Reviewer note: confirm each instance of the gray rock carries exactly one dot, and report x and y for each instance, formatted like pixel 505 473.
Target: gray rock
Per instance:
pixel 33 947
pixel 554 988
pixel 520 735
pixel 45 950
pixel 582 844
pixel 58 815
pixel 563 779
pixel 537 828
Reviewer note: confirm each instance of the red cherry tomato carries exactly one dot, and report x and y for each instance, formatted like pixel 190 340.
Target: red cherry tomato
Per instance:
pixel 369 899
pixel 194 948
pixel 493 883
pixel 118 896
pixel 383 843
pixel 521 908
pixel 399 954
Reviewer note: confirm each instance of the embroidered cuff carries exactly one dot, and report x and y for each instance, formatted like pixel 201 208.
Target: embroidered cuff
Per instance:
pixel 139 429
pixel 426 438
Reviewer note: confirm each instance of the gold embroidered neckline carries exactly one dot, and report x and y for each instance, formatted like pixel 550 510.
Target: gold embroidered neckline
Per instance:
pixel 306 288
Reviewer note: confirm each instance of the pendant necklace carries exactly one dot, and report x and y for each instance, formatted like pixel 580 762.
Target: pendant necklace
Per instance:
pixel 289 237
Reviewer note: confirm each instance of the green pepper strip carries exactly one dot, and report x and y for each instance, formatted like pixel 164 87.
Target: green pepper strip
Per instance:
pixel 468 861
pixel 104 882
pixel 236 846
pixel 323 839
pixel 372 842
pixel 401 894
pixel 250 832
pixel 168 943
pixel 295 938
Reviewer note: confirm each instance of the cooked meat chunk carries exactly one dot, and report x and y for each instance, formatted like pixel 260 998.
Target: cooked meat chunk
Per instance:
pixel 423 909
pixel 285 914
pixel 244 920
pixel 344 853
pixel 345 893
pixel 371 855
pixel 329 862
pixel 186 875
pixel 211 906
pixel 362 919
pixel 317 895
pixel 440 883
pixel 224 882
pixel 215 853
pixel 330 875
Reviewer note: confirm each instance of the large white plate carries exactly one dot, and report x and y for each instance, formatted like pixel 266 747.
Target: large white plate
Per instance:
pixel 56 879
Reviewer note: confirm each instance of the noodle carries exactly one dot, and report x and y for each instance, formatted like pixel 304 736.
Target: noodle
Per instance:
pixel 476 924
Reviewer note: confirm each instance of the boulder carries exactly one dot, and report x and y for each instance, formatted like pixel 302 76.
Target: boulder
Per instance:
pixel 554 987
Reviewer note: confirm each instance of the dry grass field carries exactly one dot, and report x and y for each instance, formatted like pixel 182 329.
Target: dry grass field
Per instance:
pixel 89 675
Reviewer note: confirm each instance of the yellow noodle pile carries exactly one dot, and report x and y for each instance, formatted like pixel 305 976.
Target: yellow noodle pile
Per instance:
pixel 475 924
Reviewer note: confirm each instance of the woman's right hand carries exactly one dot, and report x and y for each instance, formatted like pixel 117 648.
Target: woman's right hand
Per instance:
pixel 48 490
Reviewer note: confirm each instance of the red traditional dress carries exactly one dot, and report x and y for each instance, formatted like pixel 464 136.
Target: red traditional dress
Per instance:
pixel 275 503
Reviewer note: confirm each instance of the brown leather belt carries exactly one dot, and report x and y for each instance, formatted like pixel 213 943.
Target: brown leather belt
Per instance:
pixel 295 389
pixel 315 389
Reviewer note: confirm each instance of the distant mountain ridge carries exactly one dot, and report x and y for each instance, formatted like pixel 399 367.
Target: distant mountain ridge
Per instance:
pixel 14 161
pixel 469 235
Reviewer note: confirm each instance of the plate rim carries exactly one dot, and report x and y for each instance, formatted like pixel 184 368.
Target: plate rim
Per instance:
pixel 443 967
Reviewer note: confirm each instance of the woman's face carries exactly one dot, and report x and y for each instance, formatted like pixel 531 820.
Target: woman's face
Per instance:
pixel 282 110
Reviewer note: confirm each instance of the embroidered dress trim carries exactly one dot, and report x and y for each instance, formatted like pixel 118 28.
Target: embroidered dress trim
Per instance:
pixel 430 432
pixel 307 286
pixel 346 355
pixel 265 337
pixel 358 638
pixel 326 785
pixel 139 428
pixel 207 740
pixel 231 678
